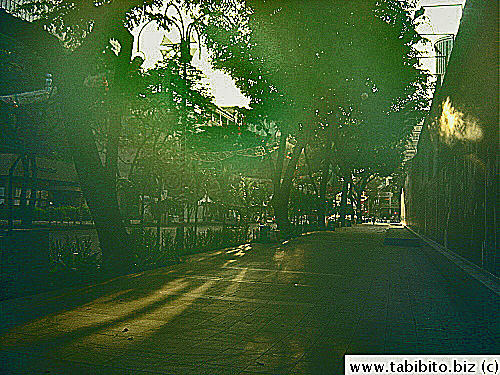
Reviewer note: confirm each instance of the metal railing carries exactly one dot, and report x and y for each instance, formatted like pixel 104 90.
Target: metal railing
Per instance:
pixel 13 6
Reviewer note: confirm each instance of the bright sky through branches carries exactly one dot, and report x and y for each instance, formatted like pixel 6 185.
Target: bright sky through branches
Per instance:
pixel 439 20
pixel 223 89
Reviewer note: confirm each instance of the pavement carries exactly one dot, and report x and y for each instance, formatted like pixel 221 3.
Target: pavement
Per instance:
pixel 291 308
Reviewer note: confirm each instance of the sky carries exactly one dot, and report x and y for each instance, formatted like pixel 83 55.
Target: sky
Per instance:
pixel 223 88
pixel 439 20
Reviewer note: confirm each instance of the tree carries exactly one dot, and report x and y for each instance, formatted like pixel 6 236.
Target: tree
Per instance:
pixel 93 46
pixel 322 64
pixel 84 32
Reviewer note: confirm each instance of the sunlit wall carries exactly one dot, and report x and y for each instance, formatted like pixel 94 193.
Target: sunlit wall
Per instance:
pixel 451 193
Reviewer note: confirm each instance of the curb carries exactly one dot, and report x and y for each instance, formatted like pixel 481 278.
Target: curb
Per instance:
pixel 489 280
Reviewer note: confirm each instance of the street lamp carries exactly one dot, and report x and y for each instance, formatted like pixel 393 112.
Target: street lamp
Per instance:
pixel 186 31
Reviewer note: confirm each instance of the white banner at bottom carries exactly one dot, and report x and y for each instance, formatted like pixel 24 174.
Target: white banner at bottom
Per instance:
pixel 422 364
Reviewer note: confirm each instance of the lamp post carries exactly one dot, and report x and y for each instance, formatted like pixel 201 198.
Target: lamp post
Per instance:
pixel 185 31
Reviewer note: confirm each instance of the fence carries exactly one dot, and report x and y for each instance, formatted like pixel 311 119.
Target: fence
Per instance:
pixel 13 6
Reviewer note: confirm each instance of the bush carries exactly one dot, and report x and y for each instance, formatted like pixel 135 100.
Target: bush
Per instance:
pixel 70 213
pixel 56 214
pixel 77 256
pixel 169 248
pixel 62 213
pixel 40 214
pixel 85 213
pixel 152 252
pixel 213 239
pixel 74 254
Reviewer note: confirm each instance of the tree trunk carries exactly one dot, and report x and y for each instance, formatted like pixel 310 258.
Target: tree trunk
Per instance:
pixel 196 220
pixel 343 202
pixel 309 172
pixel 280 207
pixel 97 182
pixel 141 218
pixel 281 196
pixel 10 194
pixel 70 68
pixel 99 189
pixel 359 213
pixel 113 143
pixel 158 217
pixel 322 193
pixel 34 188
pixel 358 190
pixel 278 168
pixel 325 177
pixel 23 205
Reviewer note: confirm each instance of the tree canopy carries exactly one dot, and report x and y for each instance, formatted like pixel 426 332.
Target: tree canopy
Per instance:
pixel 346 71
pixel 340 75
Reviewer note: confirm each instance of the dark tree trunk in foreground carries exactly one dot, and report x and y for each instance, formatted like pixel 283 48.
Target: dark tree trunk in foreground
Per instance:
pixel 97 180
pixel 99 189
pixel 117 245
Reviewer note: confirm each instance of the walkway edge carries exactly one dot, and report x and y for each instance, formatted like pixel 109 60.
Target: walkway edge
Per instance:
pixel 484 277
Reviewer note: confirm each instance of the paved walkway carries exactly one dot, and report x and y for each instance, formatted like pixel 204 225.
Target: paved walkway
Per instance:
pixel 293 308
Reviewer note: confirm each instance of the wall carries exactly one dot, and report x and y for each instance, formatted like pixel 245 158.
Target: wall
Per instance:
pixel 451 192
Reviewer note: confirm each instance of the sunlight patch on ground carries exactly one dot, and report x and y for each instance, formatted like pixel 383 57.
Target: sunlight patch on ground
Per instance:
pixel 98 315
pixel 228 263
pixel 233 287
pixel 240 250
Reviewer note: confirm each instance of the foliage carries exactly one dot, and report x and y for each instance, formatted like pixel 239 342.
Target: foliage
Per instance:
pixel 339 74
pixel 344 73
pixel 101 87
pixel 61 213
pixel 165 251
pixel 212 239
pixel 74 254
pixel 154 252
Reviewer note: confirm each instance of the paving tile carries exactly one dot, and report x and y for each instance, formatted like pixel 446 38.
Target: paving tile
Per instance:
pixel 268 368
pixel 209 369
pixel 234 358
pixel 304 367
pixel 134 361
pixel 352 295
pixel 217 343
pixel 164 366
